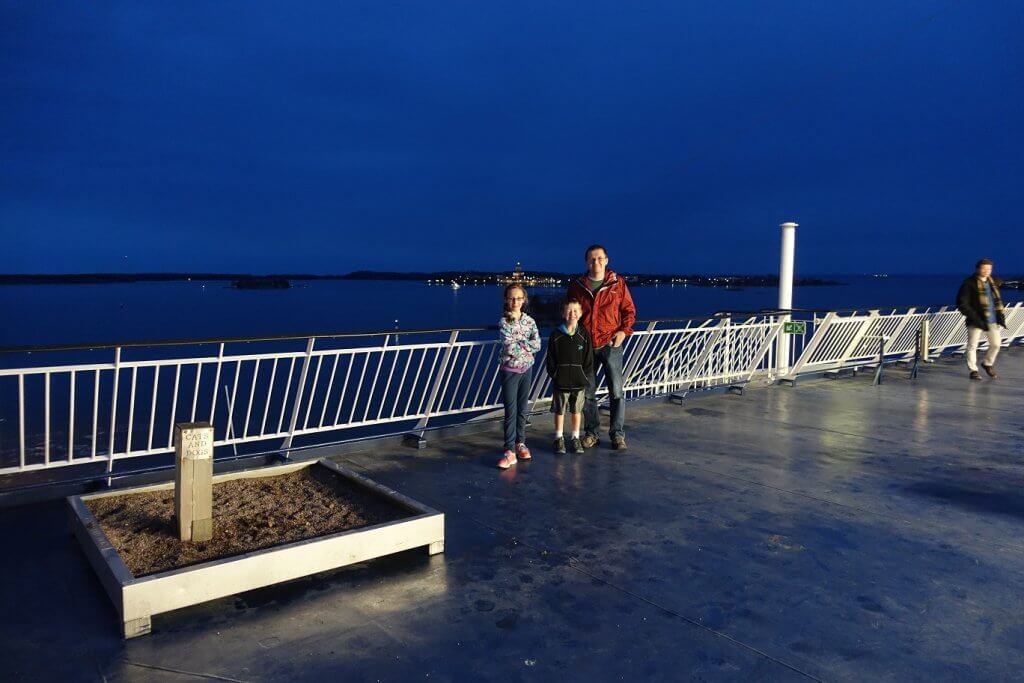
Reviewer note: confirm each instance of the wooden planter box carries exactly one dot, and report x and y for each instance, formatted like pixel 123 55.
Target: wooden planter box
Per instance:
pixel 138 599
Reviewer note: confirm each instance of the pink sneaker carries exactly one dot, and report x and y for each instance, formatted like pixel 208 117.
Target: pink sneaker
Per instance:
pixel 522 452
pixel 508 460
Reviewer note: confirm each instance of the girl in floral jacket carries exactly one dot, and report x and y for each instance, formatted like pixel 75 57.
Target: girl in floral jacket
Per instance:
pixel 520 340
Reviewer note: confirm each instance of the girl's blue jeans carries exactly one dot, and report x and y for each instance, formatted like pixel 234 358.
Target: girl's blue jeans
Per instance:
pixel 515 393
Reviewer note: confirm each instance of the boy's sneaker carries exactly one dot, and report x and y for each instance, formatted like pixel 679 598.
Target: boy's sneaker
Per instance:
pixel 990 371
pixel 560 445
pixel 508 460
pixel 975 375
pixel 576 446
pixel 618 442
pixel 589 440
pixel 522 452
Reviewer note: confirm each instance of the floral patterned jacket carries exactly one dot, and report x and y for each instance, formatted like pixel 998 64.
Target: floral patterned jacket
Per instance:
pixel 520 339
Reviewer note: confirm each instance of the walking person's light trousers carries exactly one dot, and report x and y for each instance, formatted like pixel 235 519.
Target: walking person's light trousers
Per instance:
pixel 994 341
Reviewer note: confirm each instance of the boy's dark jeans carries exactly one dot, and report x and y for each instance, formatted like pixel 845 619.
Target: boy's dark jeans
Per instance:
pixel 610 358
pixel 515 393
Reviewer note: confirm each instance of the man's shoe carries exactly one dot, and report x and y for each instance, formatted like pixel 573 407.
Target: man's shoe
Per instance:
pixel 618 442
pixel 576 446
pixel 975 375
pixel 560 445
pixel 991 371
pixel 589 440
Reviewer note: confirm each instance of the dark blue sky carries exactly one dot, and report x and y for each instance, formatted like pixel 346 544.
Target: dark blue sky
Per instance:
pixel 327 137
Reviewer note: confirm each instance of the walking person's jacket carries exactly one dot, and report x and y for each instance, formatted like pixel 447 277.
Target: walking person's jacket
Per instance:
pixel 972 300
pixel 608 311
pixel 570 358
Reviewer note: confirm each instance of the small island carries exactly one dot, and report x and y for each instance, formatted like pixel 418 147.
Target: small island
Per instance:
pixel 1013 283
pixel 269 282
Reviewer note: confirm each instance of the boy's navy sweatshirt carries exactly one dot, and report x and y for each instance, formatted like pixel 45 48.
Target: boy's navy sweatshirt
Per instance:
pixel 570 358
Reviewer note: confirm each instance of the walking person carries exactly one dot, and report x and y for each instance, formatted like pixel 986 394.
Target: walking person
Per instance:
pixel 982 306
pixel 570 364
pixel 608 317
pixel 520 340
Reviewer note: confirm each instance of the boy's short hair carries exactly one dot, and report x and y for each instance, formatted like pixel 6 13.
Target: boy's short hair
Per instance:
pixel 983 262
pixel 592 247
pixel 571 301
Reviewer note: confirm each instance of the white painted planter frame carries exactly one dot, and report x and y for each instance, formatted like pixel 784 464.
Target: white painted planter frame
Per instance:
pixel 137 599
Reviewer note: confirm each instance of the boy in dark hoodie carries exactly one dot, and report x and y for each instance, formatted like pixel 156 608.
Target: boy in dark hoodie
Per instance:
pixel 570 362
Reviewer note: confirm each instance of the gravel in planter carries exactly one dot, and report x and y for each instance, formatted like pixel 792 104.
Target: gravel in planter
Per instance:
pixel 248 515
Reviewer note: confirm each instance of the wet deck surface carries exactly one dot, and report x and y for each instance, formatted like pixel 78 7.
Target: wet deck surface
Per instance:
pixel 833 531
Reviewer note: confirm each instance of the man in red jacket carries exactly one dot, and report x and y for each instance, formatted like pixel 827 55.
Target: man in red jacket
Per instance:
pixel 608 317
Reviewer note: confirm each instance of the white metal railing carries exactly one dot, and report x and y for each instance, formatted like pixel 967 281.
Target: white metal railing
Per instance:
pixel 849 339
pixel 73 409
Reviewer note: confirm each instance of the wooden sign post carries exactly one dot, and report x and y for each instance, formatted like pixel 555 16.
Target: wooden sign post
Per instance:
pixel 193 480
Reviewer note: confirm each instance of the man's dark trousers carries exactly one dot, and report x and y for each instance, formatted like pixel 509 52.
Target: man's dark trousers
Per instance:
pixel 610 358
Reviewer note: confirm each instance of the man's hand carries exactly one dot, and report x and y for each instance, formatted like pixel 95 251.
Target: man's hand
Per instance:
pixel 618 338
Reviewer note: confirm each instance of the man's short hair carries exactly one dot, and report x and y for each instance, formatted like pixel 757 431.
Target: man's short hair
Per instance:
pixel 983 262
pixel 592 247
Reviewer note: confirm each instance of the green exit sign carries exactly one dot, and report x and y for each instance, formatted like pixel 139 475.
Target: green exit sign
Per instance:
pixel 794 327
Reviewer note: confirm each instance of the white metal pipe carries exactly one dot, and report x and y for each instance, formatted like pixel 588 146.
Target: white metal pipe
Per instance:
pixel 252 395
pixel 234 392
pixel 415 381
pixel 387 383
pixel 113 405
pixel 21 421
pixel 216 381
pixel 359 385
pixel 131 411
pixel 95 408
pixel 287 390
pixel 312 391
pixel 344 388
pixel 330 385
pixel 786 259
pixel 71 420
pixel 174 405
pixel 270 393
pixel 195 391
pixel 152 407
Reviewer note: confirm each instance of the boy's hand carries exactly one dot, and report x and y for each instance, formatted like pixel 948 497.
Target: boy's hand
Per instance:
pixel 618 338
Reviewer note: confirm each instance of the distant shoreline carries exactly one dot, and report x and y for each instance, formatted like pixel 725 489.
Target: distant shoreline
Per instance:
pixel 466 277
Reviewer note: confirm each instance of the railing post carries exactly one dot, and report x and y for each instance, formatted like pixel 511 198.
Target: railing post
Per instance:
pixel 415 438
pixel 113 413
pixel 923 340
pixel 881 360
pixel 917 353
pixel 286 447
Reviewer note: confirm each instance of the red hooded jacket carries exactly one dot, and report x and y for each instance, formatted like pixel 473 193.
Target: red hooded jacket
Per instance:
pixel 608 311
